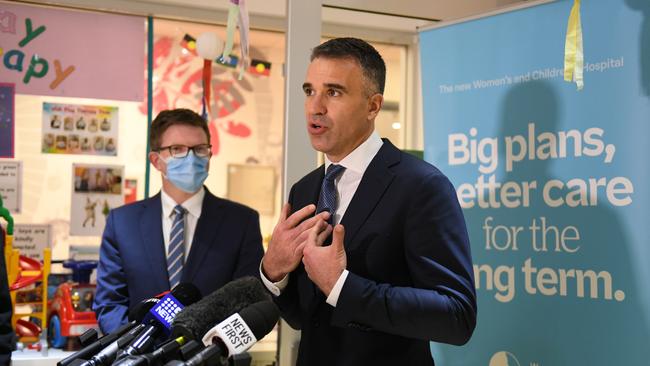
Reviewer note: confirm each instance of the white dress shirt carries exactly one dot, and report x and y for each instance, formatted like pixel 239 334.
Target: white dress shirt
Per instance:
pixel 355 164
pixel 193 206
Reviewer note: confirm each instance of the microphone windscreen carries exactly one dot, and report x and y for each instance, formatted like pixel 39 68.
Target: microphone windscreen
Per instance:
pixel 187 293
pixel 140 310
pixel 261 317
pixel 195 320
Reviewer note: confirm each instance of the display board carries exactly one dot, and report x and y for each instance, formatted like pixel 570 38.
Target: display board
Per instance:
pixel 553 181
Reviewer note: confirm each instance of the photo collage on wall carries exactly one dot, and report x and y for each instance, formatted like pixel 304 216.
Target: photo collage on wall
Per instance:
pixel 79 129
pixel 96 190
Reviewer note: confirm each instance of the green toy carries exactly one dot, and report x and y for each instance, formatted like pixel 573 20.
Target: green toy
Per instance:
pixel 4 213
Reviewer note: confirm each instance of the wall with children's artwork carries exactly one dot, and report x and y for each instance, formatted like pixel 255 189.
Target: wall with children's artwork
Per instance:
pixel 79 120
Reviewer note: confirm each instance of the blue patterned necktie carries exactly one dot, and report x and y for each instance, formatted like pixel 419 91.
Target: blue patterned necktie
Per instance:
pixel 176 251
pixel 327 200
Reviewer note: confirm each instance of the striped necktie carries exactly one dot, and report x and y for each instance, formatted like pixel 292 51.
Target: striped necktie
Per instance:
pixel 327 200
pixel 176 250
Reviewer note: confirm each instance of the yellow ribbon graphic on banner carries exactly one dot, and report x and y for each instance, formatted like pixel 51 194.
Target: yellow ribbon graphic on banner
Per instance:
pixel 573 54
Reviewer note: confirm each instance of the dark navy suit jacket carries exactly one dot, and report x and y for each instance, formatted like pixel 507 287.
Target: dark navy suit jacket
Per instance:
pixel 227 244
pixel 411 278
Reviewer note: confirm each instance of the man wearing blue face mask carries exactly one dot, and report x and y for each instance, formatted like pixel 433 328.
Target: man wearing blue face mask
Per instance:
pixel 183 234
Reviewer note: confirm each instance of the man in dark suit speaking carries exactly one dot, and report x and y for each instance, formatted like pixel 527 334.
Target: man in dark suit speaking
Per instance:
pixel 398 272
pixel 182 234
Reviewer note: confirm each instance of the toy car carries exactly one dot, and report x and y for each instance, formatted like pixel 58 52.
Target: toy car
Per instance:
pixel 70 311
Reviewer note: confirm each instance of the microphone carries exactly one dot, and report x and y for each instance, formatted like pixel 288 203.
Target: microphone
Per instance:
pixel 235 335
pixel 160 317
pixel 195 320
pixel 88 337
pixel 189 349
pixel 107 355
pixel 240 331
pixel 96 346
pixel 166 352
pixel 140 311
pixel 141 319
pixel 136 315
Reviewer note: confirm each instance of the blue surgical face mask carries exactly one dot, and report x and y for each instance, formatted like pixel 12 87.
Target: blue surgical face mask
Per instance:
pixel 188 173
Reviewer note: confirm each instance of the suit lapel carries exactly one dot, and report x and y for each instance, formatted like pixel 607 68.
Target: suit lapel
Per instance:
pixel 374 183
pixel 309 195
pixel 205 235
pixel 152 237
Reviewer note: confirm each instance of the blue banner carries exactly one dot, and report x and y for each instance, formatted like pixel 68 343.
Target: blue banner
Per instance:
pixel 553 181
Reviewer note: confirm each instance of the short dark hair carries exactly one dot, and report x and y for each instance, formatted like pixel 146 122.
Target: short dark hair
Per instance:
pixel 168 118
pixel 371 62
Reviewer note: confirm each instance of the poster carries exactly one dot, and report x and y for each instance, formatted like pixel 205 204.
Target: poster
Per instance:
pixel 7 123
pixel 11 177
pixel 79 129
pixel 96 189
pixel 70 53
pixel 31 239
pixel 552 180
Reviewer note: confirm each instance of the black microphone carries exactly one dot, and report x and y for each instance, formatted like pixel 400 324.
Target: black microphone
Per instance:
pixel 136 315
pixel 235 335
pixel 195 320
pixel 165 352
pixel 93 348
pixel 107 355
pixel 189 350
pixel 240 331
pixel 142 312
pixel 88 337
pixel 160 318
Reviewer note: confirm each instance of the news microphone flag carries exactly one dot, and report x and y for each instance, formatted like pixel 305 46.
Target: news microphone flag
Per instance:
pixel 235 334
pixel 242 330
pixel 165 311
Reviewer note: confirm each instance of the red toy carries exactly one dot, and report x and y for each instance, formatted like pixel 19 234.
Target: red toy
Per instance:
pixel 70 311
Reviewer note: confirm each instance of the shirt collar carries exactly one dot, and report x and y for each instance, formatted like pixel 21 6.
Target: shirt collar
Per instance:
pixel 359 159
pixel 193 204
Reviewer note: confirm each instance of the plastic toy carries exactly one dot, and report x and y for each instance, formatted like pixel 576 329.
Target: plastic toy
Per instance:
pixel 23 273
pixel 70 311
